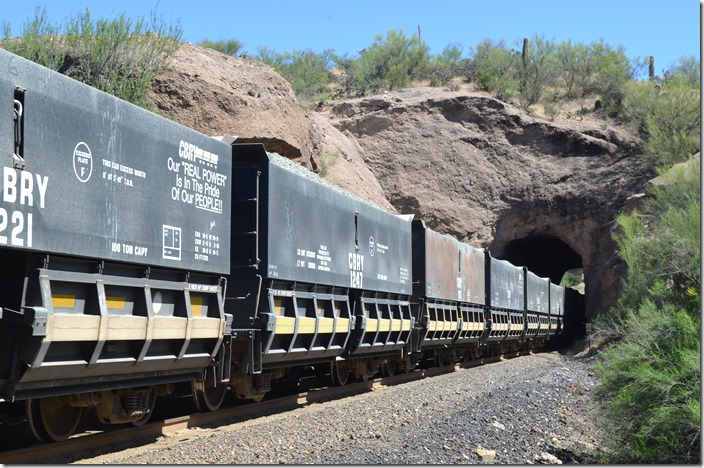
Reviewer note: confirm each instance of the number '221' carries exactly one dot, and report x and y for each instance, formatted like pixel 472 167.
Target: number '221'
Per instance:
pixel 20 230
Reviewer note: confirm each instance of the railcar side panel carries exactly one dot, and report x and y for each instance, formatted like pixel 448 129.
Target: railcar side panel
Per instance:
pixel 447 269
pixel 312 233
pixel 84 173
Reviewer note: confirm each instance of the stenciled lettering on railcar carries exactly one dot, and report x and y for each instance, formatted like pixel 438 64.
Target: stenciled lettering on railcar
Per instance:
pixel 20 189
pixel 356 264
pixel 82 162
pixel 198 182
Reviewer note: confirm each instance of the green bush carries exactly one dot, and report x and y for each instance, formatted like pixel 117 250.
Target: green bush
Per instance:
pixel 231 47
pixel 667 114
pixel 389 63
pixel 307 71
pixel 538 70
pixel 576 69
pixel 495 69
pixel 570 280
pixel 120 56
pixel 650 386
pixel 444 67
pixel 650 376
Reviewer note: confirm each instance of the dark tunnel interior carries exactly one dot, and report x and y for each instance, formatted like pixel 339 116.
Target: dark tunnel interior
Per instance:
pixel 544 256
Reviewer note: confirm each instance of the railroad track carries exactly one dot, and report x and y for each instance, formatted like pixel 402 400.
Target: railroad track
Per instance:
pixel 97 443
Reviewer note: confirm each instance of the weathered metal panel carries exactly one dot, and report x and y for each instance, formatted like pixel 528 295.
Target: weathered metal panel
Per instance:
pixel 472 273
pixel 505 289
pixel 106 179
pixel 450 270
pixel 313 233
pixel 537 293
pixel 557 299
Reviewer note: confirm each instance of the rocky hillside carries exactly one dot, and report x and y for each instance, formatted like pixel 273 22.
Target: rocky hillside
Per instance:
pixel 470 165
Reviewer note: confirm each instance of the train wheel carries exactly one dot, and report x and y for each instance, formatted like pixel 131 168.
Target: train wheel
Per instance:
pixel 207 395
pixel 339 374
pixel 152 402
pixel 52 419
pixel 365 369
pixel 388 368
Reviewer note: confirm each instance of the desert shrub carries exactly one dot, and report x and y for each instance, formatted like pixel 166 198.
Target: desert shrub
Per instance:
pixel 306 70
pixel 537 71
pixel 667 114
pixel 570 280
pixel 650 376
pixel 444 67
pixel 575 69
pixel 494 68
pixel 389 62
pixel 120 56
pixel 231 47
pixel 612 70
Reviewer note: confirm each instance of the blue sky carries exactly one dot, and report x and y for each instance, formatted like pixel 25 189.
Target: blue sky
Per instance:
pixel 666 29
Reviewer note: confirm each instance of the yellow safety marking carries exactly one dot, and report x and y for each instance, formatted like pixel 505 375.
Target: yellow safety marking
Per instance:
pixel 372 325
pixel 66 301
pixel 285 325
pixel 169 328
pixel 406 325
pixel 278 306
pixel 306 325
pixel 71 327
pixel 396 326
pixel 115 302
pixel 196 305
pixel 64 327
pixel 343 325
pixel 122 328
pixel 325 325
pixel 207 327
pixel 384 325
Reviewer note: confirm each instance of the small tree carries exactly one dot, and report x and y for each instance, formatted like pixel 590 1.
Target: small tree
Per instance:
pixel 391 62
pixel 494 69
pixel 537 70
pixel 446 66
pixel 613 70
pixel 575 69
pixel 674 125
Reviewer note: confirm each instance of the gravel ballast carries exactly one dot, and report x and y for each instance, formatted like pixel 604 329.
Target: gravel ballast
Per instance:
pixel 530 409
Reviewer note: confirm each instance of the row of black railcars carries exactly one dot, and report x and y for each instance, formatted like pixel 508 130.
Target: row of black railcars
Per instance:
pixel 139 257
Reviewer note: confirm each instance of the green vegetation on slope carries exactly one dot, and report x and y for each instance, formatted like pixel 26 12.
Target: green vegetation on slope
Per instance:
pixel 120 56
pixel 651 372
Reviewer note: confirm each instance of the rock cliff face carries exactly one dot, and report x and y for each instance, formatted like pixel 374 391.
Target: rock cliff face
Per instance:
pixel 535 192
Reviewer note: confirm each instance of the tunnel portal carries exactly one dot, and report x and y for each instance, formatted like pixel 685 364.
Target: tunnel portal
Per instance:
pixel 546 256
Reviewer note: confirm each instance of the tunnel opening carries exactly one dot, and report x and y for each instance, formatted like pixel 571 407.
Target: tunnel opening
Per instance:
pixel 545 256
pixel 550 257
